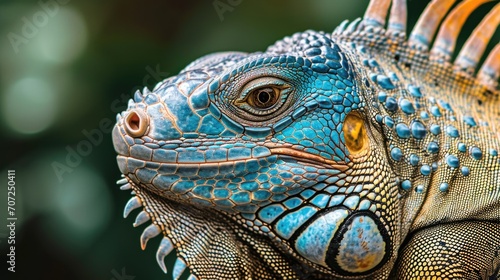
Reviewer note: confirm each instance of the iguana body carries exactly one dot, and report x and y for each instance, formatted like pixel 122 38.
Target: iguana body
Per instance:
pixel 356 155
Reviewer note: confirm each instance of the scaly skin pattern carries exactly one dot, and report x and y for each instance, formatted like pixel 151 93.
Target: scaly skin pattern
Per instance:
pixel 352 155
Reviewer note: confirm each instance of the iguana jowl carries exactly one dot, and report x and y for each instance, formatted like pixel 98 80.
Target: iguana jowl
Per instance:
pixel 361 154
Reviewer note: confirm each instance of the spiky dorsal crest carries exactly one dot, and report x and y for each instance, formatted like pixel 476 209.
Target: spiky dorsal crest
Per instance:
pixel 428 57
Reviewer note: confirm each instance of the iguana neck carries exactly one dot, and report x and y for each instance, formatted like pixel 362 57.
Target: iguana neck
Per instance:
pixel 444 152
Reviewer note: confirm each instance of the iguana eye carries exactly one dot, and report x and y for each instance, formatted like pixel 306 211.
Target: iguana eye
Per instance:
pixel 263 98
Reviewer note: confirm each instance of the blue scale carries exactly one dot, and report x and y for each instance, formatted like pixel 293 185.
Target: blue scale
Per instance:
pixel 391 104
pixel 396 154
pixel 351 202
pixel 336 200
pixel 433 147
pixel 406 106
pixel 435 129
pixel 221 193
pixel 445 105
pixel 307 193
pixel 465 170
pixel 269 213
pixel 288 224
pixel 434 166
pixel 365 204
pixel 470 120
pixel 388 121
pixel 203 191
pixel 320 200
pixel 452 161
pixel 382 96
pixel 373 63
pixel 406 185
pixel 419 189
pixel 393 76
pixel 414 159
pixel 435 111
pixel 241 197
pixel 314 241
pixel 415 91
pixel 462 147
pixel 443 187
pixel 403 131
pixel 424 115
pixel 261 195
pixel 384 82
pixel 418 130
pixel 293 202
pixel 476 153
pixel 425 170
pixel 452 131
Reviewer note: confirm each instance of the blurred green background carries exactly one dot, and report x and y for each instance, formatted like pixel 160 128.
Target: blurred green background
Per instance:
pixel 66 69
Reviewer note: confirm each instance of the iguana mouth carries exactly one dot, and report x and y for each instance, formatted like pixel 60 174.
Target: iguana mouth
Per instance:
pixel 207 157
pixel 298 155
pixel 302 156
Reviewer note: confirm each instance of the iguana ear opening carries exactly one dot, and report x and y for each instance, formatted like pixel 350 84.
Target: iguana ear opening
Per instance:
pixel 356 138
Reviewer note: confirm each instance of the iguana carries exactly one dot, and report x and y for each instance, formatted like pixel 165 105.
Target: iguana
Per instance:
pixel 362 154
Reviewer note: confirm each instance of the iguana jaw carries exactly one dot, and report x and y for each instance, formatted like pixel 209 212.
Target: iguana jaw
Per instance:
pixel 167 174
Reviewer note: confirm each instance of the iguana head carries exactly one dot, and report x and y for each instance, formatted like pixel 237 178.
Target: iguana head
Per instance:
pixel 278 163
pixel 278 142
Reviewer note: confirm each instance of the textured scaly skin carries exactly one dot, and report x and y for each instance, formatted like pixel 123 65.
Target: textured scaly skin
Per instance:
pixel 373 161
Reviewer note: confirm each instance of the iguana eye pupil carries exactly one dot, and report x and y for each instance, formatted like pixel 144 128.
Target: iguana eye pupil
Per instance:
pixel 263 98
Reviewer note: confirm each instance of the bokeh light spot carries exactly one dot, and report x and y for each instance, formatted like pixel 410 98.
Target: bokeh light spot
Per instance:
pixel 76 209
pixel 64 38
pixel 83 200
pixel 29 105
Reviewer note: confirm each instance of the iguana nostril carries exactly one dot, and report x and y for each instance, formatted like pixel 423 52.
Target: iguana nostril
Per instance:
pixel 136 123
